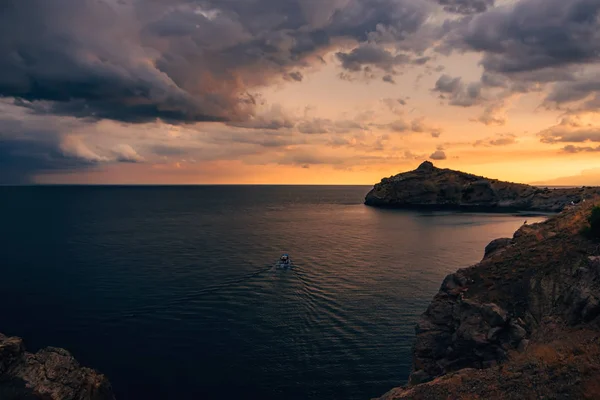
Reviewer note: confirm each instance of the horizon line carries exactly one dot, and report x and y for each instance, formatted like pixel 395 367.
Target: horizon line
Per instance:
pixel 180 184
pixel 224 184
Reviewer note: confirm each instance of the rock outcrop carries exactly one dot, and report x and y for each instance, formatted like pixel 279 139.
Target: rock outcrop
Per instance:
pixel 524 323
pixel 50 374
pixel 429 187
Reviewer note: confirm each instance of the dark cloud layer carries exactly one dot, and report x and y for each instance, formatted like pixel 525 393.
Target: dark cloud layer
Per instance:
pixel 457 92
pixel 528 46
pixel 180 60
pixel 466 6
pixel 26 149
pixel 184 61
pixel 536 34
pixel 21 159
pixel 369 56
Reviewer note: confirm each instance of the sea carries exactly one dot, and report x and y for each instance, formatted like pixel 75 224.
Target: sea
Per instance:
pixel 173 292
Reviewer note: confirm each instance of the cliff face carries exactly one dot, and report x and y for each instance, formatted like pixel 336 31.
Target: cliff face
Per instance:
pixel 523 323
pixel 431 187
pixel 49 374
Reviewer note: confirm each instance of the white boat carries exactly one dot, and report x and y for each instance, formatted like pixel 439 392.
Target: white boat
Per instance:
pixel 284 261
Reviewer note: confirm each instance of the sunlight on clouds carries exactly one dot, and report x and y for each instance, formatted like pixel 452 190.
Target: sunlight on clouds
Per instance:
pixel 339 91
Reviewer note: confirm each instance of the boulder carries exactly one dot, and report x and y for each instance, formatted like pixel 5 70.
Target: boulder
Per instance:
pixel 50 374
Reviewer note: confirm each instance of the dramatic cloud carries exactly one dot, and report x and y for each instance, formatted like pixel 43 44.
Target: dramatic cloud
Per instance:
pixel 323 125
pixel 371 55
pixel 536 34
pixel 417 125
pixel 579 149
pixel 466 6
pixel 32 147
pixel 177 60
pixel 397 126
pixel 505 139
pixel 458 93
pixel 73 146
pixel 395 105
pixel 126 153
pixel 20 160
pixel 438 155
pixel 296 75
pixel 166 151
pixel 274 118
pixel 571 130
pixel 493 114
pixel 420 126
pixel 585 91
pixel 367 57
pixel 97 84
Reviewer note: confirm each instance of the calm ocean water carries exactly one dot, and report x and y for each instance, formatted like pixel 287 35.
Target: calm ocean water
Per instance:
pixel 172 291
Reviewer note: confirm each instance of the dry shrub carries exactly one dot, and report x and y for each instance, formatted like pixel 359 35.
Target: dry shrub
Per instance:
pixel 546 353
pixel 591 388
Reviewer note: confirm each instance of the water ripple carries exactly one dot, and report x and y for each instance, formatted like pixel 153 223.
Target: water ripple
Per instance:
pixel 174 293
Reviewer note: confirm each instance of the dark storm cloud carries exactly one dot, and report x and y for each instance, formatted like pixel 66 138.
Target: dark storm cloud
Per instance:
pixel 528 46
pixel 466 6
pixel 31 145
pixel 585 93
pixel 459 93
pixel 26 150
pixel 535 34
pixel 297 76
pixel 177 60
pixel 165 150
pixel 21 159
pixel 447 84
pixel 80 58
pixel 371 55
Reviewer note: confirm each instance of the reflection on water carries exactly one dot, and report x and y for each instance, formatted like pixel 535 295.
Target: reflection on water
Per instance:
pixel 173 291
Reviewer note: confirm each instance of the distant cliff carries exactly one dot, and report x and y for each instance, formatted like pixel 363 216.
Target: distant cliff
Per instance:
pixel 524 323
pixel 49 374
pixel 429 187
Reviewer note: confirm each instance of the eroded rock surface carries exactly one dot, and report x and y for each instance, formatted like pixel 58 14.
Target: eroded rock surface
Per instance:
pixel 527 314
pixel 50 374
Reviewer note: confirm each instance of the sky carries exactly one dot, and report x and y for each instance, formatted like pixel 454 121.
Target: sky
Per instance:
pixel 298 91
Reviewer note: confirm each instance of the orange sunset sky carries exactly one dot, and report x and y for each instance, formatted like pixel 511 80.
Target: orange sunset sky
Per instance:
pixel 298 91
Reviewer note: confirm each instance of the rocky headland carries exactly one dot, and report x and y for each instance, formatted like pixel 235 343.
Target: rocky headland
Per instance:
pixel 429 187
pixel 50 374
pixel 524 323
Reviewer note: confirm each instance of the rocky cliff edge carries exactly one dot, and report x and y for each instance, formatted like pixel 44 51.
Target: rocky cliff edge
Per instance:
pixel 521 324
pixel 49 374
